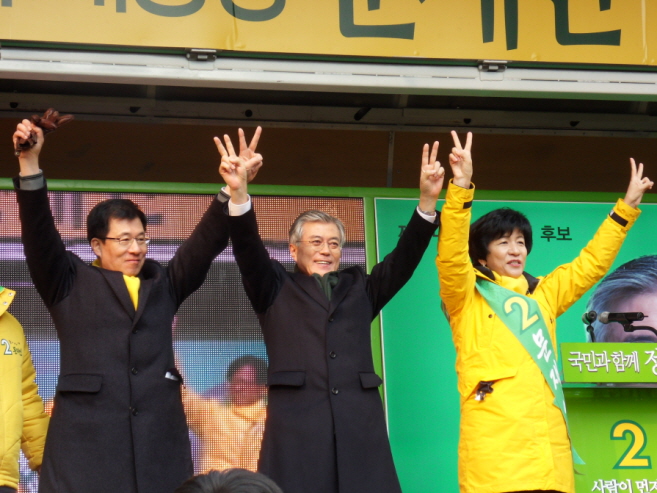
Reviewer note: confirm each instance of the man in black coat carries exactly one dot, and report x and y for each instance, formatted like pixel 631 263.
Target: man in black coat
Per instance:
pixel 325 430
pixel 118 423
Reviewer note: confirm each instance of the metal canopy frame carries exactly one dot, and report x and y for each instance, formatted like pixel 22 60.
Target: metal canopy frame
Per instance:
pixel 401 81
pixel 295 75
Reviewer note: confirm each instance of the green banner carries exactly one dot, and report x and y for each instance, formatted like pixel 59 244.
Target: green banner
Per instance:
pixel 604 362
pixel 615 429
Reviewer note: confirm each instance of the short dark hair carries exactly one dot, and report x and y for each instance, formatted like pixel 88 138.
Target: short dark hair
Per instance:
pixel 494 225
pixel 259 364
pixel 229 481
pixel 99 217
pixel 632 279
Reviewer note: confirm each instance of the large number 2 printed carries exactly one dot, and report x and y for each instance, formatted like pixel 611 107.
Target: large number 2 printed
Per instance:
pixel 631 459
pixel 6 344
pixel 527 321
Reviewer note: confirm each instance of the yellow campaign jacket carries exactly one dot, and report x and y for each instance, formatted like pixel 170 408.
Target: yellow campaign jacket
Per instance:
pixel 230 435
pixel 515 439
pixel 22 420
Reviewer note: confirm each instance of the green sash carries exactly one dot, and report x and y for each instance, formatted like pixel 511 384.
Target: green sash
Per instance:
pixel 523 318
pixel 1 289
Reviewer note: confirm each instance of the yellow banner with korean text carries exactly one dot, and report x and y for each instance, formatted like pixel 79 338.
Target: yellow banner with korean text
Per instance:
pixel 621 32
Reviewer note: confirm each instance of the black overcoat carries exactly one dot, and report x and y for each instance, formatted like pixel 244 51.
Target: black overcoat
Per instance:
pixel 325 430
pixel 118 424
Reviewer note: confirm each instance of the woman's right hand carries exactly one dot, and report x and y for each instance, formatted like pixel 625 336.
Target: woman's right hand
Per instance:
pixel 460 160
pixel 639 184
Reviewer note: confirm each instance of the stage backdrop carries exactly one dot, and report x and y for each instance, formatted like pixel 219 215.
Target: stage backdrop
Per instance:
pixel 214 326
pixel 579 31
pixel 419 356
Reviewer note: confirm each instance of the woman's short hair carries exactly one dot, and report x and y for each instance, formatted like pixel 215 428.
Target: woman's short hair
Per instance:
pixel 494 225
pixel 229 481
pixel 314 216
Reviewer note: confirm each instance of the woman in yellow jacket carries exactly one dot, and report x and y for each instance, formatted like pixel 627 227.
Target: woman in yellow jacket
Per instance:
pixel 513 435
pixel 22 420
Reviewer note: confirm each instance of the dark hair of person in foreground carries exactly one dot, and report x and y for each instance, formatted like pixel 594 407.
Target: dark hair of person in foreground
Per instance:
pixel 493 226
pixel 229 481
pixel 99 217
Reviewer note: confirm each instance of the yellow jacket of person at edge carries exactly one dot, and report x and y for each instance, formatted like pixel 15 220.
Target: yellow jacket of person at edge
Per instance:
pixel 515 439
pixel 22 420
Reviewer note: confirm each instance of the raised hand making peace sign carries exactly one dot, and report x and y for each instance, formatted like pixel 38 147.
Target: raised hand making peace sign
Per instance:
pixel 238 170
pixel 460 160
pixel 431 178
pixel 639 184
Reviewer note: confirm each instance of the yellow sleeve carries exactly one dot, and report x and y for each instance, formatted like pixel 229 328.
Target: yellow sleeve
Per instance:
pixel 35 420
pixel 568 282
pixel 251 442
pixel 198 410
pixel 455 273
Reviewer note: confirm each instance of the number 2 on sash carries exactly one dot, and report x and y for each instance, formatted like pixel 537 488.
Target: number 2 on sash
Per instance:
pixel 527 321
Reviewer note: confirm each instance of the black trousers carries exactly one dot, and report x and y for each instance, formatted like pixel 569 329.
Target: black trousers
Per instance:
pixel 7 489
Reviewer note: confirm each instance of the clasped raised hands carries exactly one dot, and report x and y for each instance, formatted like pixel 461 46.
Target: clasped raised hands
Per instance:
pixel 239 169
pixel 29 158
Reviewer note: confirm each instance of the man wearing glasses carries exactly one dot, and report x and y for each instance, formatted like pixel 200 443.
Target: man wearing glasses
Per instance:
pixel 118 423
pixel 325 430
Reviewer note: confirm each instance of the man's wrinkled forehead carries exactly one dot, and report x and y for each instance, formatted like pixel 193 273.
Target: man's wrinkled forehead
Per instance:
pixel 327 231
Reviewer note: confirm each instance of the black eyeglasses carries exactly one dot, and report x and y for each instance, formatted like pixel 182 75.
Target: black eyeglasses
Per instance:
pixel 126 241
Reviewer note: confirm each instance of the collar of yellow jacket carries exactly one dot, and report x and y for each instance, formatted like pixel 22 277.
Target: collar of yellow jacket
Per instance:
pixel 525 284
pixel 6 297
pixel 253 412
